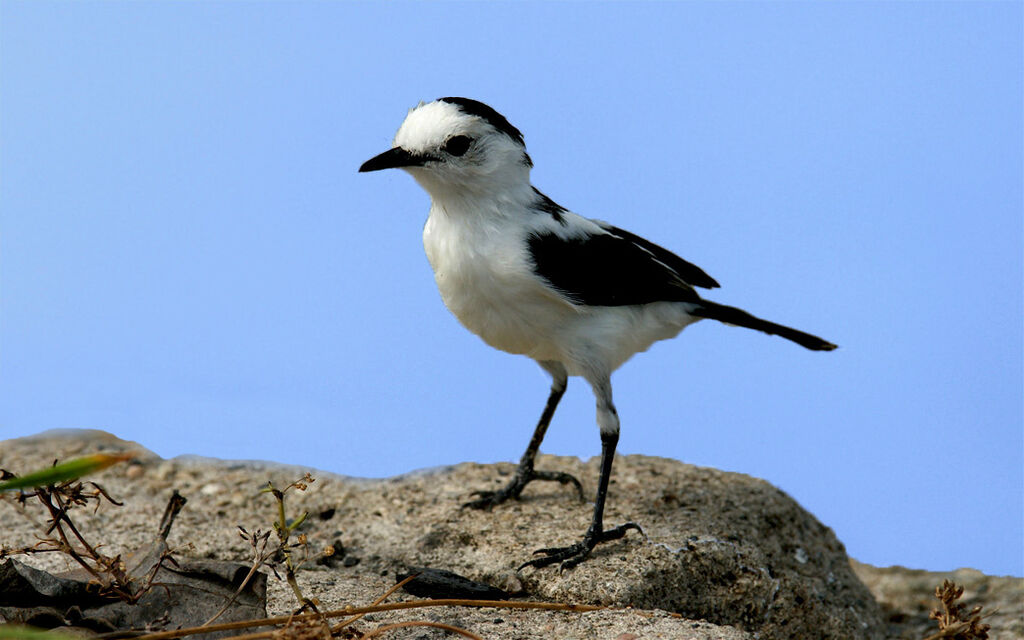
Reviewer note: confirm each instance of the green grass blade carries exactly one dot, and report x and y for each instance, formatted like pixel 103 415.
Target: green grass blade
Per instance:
pixel 65 471
pixel 20 632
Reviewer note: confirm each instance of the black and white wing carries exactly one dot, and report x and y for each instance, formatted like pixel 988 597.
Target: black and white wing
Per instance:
pixel 614 268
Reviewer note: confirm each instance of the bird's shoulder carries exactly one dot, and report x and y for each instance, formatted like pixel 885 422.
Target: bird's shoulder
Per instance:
pixel 594 263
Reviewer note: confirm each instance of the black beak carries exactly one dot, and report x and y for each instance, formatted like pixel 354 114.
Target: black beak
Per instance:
pixel 394 159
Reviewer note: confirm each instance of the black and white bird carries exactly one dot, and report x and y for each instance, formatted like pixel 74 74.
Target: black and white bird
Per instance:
pixel 528 276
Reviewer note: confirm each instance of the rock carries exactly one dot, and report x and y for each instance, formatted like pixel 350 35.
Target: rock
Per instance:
pixel 146 585
pixel 187 595
pixel 724 556
pixel 440 583
pixel 721 547
pixel 908 595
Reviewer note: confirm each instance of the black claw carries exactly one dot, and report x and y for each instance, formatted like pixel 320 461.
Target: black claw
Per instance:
pixel 572 562
pixel 488 499
pixel 575 554
pixel 620 531
pixel 561 478
pixel 543 562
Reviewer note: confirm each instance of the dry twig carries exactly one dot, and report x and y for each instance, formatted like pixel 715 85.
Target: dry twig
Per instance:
pixel 284 529
pixel 350 611
pixel 344 623
pixel 63 493
pixel 954 623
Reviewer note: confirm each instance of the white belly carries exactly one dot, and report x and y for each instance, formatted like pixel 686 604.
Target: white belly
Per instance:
pixel 486 279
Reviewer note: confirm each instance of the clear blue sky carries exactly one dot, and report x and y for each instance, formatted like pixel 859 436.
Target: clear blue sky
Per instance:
pixel 189 259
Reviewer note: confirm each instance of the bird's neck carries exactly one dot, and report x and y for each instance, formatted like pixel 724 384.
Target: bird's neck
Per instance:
pixel 496 201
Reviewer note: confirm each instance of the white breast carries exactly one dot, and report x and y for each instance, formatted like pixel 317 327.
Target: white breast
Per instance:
pixel 486 280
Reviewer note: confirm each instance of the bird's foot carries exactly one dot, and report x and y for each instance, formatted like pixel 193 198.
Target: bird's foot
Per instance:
pixel 488 499
pixel 574 554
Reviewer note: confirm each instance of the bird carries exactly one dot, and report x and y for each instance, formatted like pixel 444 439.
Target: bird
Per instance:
pixel 530 277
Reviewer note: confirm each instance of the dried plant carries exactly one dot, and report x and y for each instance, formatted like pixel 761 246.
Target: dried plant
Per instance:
pixel 283 553
pixel 359 611
pixel 59 491
pixel 111 575
pixel 284 530
pixel 311 629
pixel 954 623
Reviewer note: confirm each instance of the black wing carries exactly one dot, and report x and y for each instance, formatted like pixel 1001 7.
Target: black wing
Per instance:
pixel 614 269
pixel 690 273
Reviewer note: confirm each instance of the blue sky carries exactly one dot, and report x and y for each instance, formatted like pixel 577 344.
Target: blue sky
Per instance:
pixel 189 259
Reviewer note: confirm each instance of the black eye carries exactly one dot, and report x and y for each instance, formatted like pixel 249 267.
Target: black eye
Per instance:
pixel 458 145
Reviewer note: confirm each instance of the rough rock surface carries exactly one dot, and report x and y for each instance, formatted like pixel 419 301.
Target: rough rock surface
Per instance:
pixel 724 556
pixel 908 595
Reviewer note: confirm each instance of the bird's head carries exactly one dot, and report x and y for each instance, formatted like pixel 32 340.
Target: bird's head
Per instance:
pixel 457 146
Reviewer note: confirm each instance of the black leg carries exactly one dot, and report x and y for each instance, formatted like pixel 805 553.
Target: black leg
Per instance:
pixel 525 472
pixel 574 554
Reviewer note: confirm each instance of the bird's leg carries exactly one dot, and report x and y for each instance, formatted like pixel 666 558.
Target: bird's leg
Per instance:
pixel 525 471
pixel 608 421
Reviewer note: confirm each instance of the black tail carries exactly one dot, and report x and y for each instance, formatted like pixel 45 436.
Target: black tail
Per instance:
pixel 740 318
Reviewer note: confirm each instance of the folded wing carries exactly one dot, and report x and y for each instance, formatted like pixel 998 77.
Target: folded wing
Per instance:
pixel 614 268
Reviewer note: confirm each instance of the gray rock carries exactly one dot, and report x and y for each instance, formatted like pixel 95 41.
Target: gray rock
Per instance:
pixel 908 595
pixel 721 547
pixel 724 556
